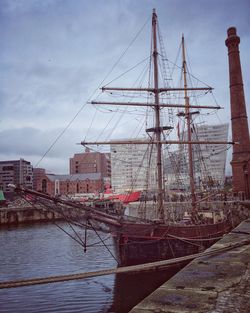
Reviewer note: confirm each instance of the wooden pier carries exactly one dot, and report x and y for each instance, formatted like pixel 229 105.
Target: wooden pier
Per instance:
pixel 215 284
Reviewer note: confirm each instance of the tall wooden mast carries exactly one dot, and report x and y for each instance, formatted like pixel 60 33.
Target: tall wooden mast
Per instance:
pixel 188 119
pixel 156 105
pixel 157 119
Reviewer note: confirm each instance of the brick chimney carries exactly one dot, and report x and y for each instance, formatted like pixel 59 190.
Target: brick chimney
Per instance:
pixel 241 152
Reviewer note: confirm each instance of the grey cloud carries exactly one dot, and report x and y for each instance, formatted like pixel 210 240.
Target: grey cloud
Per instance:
pixel 32 143
pixel 54 53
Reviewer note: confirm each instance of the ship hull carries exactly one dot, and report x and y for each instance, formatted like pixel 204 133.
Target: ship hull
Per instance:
pixel 138 243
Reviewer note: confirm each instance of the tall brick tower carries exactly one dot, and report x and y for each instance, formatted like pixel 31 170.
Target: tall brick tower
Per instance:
pixel 241 152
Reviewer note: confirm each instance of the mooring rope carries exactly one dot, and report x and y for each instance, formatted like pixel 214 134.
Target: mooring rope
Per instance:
pixel 125 269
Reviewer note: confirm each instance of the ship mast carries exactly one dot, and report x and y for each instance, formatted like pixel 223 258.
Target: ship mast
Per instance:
pixel 188 119
pixel 157 120
pixel 156 105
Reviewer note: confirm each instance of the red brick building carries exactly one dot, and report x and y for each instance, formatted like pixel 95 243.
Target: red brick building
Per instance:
pixel 38 173
pixel 70 184
pixel 91 162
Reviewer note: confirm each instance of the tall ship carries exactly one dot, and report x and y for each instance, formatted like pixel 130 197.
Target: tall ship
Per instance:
pixel 164 228
pixel 141 241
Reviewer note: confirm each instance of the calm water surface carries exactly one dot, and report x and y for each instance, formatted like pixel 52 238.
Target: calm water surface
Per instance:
pixel 44 250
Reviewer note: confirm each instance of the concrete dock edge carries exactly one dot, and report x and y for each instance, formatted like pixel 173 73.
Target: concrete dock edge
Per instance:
pixel 211 284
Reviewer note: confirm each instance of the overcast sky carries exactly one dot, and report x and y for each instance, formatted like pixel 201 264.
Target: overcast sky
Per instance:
pixel 55 53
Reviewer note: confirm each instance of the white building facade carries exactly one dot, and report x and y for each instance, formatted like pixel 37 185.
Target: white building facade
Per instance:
pixel 133 167
pixel 209 160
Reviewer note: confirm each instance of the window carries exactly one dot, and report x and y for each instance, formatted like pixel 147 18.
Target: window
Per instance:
pixel 44 185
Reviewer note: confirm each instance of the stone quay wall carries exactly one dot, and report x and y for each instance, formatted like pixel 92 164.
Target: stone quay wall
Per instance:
pixel 15 216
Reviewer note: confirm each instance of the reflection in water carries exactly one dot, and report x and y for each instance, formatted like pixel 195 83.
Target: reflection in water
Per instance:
pixel 43 250
pixel 130 289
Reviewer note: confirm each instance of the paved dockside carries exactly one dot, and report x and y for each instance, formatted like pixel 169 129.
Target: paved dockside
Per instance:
pixel 211 284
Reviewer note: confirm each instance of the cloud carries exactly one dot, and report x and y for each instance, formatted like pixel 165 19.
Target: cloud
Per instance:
pixel 32 143
pixel 55 53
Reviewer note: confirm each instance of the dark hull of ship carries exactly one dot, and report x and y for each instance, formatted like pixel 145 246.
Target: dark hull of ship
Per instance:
pixel 140 243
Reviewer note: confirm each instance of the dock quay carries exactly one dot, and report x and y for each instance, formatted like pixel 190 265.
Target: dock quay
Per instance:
pixel 26 215
pixel 22 212
pixel 212 284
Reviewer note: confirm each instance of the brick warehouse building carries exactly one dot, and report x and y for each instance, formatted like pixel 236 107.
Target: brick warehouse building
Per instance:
pixel 38 173
pixel 91 162
pixel 70 184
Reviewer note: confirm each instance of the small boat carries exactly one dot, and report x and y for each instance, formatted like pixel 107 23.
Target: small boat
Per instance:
pixel 124 197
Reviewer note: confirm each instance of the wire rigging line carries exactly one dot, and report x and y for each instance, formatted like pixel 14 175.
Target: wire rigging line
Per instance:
pixel 103 242
pixel 176 65
pixel 91 96
pixel 129 70
pixel 70 222
pixel 60 134
pixel 137 81
pixel 112 117
pixel 79 240
pixel 113 67
pixel 126 269
pixel 125 51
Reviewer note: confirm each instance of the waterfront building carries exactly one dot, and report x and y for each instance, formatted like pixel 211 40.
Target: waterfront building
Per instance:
pixel 70 184
pixel 176 170
pixel 213 156
pixel 18 172
pixel 38 173
pixel 133 167
pixel 209 160
pixel 91 162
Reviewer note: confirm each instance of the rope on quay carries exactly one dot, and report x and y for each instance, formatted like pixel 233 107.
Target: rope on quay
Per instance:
pixel 125 269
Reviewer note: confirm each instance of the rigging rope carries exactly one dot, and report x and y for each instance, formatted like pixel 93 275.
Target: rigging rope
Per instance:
pixel 82 107
pixel 126 269
pixel 103 243
pixel 124 73
pixel 70 222
pixel 114 66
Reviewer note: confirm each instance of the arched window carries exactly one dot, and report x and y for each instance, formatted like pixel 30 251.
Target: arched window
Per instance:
pixel 77 188
pixel 44 185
